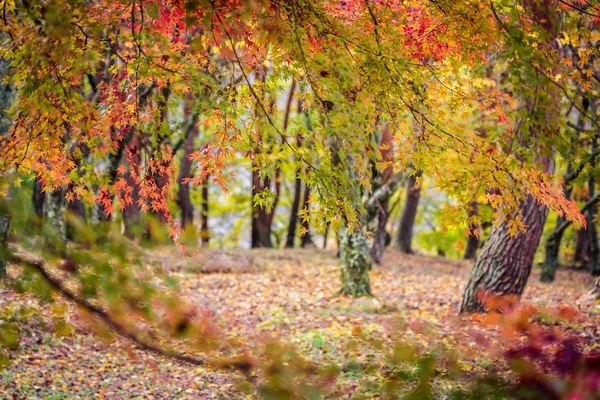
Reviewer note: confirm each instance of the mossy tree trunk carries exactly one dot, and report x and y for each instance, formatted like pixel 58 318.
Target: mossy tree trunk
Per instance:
pixel 356 262
pixel 354 247
pixel 55 219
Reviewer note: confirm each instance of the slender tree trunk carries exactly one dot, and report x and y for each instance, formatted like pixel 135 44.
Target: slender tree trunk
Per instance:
pixel 554 240
pixel 132 211
pixel 379 241
pixel 306 238
pixel 552 246
pixel 6 99
pixel 291 234
pixel 38 197
pixel 409 214
pixel 473 238
pixel 591 214
pixel 582 247
pixel 261 228
pixel 325 235
pixel 185 171
pixel 356 263
pixel 505 262
pixel 4 231
pixel 593 233
pixel 204 230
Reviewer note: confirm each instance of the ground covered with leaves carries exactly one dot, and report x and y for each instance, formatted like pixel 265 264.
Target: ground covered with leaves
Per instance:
pixel 259 295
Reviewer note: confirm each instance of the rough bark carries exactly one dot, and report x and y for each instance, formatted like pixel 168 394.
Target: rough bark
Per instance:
pixel 306 238
pixel 409 214
pixel 473 238
pixel 356 263
pixel 505 262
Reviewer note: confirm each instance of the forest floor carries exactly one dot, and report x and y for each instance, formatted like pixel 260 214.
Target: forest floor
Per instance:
pixel 286 294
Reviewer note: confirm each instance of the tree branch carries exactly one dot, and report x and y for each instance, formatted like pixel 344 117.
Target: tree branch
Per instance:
pixel 384 192
pixel 19 257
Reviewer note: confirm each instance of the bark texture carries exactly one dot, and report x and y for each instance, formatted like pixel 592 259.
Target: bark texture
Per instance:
pixel 409 214
pixel 356 263
pixel 505 262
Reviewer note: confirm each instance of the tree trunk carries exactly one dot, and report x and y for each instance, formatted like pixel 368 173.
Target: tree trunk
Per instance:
pixel 261 228
pixel 291 234
pixel 325 235
pixel 185 171
pixel 306 238
pixel 473 238
pixel 204 230
pixel 38 197
pixel 409 213
pixel 4 230
pixel 591 214
pixel 356 263
pixel 379 241
pixel 54 218
pixel 505 262
pixel 132 212
pixel 582 247
pixel 593 233
pixel 596 290
pixel 553 244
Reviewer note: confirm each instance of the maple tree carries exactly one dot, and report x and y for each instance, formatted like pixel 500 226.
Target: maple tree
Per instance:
pixel 116 102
